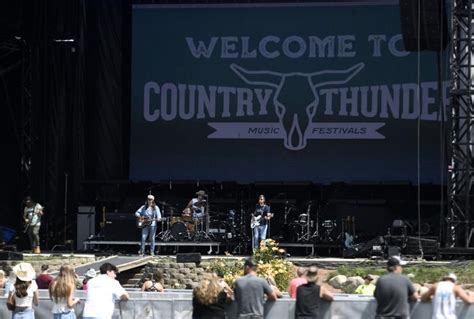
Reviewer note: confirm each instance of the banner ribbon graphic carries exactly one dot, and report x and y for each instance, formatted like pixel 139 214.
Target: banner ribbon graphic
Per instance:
pixel 262 130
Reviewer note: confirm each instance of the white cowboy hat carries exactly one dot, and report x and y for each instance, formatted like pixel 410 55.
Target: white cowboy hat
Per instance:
pixel 24 271
pixel 91 273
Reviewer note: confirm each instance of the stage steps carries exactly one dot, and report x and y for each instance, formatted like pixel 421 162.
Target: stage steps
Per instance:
pixel 123 263
pixel 132 278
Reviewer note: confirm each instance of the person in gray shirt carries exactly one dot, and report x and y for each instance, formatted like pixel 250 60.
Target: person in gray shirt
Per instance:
pixel 393 291
pixel 250 291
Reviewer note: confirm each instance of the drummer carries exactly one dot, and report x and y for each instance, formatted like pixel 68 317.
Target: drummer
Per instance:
pixel 196 206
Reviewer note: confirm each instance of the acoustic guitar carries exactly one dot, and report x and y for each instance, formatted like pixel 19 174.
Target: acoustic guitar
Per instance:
pixel 143 221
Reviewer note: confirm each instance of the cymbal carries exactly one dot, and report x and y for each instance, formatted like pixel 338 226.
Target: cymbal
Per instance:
pixel 163 203
pixel 214 213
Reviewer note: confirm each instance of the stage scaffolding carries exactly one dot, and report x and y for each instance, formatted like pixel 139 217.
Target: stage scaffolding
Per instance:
pixel 459 230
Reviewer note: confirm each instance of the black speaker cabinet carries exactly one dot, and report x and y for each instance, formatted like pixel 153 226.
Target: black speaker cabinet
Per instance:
pixel 10 255
pixel 121 227
pixel 188 258
pixel 393 251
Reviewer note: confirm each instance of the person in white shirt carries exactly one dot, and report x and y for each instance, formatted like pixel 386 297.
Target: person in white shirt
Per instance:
pixel 23 293
pixel 148 215
pixel 32 214
pixel 444 296
pixel 102 292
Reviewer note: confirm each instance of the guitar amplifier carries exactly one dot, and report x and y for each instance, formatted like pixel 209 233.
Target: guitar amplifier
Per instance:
pixel 121 227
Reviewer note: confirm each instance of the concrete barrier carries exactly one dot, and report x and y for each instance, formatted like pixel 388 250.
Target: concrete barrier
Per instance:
pixel 178 305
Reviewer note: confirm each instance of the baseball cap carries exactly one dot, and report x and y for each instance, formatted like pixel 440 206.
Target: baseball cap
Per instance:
pixel 395 261
pixel 151 197
pixel 368 277
pixel 451 276
pixel 250 262
pixel 312 274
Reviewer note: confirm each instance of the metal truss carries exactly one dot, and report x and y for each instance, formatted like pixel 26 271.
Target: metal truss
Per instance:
pixel 459 218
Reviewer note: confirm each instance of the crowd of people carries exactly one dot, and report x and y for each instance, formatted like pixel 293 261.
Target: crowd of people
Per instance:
pixel 102 291
pixel 392 292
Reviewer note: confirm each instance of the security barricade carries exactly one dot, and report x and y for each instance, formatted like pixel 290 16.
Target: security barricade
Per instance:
pixel 177 304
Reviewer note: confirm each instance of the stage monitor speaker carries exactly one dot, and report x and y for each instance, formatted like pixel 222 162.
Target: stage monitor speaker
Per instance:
pixel 10 255
pixel 430 17
pixel 393 251
pixel 188 258
pixel 121 227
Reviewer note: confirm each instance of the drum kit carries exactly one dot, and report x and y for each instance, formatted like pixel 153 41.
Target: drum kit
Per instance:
pixel 304 229
pixel 189 225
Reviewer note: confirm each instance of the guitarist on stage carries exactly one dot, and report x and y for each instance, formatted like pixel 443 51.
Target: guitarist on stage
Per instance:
pixel 260 220
pixel 32 216
pixel 147 216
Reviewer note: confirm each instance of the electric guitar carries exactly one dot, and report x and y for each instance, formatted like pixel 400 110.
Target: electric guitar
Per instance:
pixel 348 241
pixel 143 221
pixel 256 220
pixel 28 222
pixel 27 225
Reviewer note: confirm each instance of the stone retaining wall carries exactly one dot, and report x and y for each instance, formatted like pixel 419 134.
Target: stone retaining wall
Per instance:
pixel 176 275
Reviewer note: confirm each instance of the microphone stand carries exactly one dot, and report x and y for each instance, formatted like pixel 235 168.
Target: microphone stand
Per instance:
pixel 242 234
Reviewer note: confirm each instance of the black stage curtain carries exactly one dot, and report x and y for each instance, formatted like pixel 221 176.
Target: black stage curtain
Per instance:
pixel 80 103
pixel 107 44
pixel 58 95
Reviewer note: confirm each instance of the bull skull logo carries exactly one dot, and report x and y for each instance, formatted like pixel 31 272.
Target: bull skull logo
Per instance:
pixel 295 123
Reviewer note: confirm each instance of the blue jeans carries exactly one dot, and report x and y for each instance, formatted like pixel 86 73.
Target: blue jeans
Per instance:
pixel 69 315
pixel 25 314
pixel 148 232
pixel 259 233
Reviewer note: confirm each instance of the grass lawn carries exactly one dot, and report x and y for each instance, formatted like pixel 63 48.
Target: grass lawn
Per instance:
pixel 423 272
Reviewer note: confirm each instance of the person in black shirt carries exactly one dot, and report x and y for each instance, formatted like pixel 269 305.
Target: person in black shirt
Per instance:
pixel 155 284
pixel 209 299
pixel 308 296
pixel 260 219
